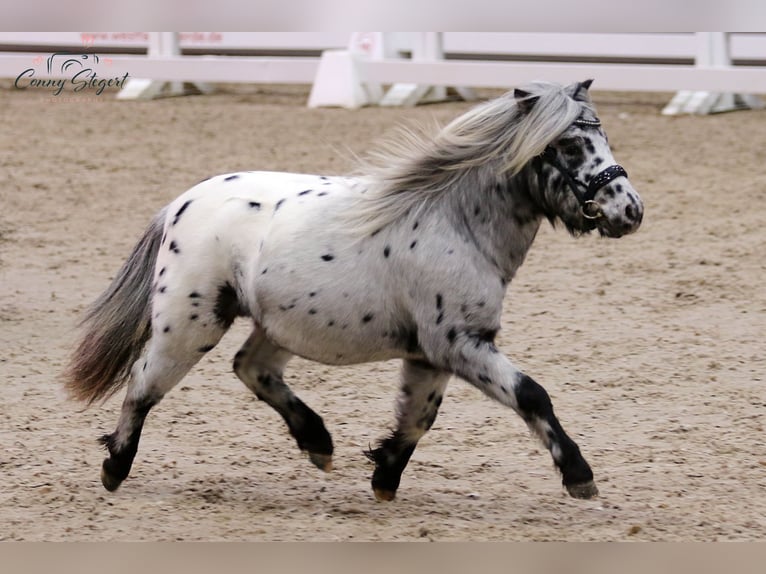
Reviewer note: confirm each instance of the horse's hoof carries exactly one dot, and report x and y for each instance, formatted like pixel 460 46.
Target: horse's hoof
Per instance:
pixel 582 490
pixel 384 495
pixel 321 461
pixel 110 482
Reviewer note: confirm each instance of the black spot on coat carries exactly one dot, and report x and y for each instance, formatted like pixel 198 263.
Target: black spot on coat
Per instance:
pixel 230 178
pixel 180 211
pixel 406 337
pixel 227 306
pixel 484 379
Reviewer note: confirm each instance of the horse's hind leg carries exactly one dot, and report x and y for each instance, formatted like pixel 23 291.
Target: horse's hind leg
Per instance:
pixel 420 395
pixel 260 364
pixel 169 356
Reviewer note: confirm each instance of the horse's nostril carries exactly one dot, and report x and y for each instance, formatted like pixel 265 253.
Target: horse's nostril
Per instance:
pixel 630 212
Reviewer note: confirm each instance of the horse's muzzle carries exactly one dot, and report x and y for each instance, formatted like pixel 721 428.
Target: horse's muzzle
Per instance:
pixel 625 220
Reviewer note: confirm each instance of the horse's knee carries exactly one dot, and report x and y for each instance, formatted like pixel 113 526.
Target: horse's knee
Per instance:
pixel 532 399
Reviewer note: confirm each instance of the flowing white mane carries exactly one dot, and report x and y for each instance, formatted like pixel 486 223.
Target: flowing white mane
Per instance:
pixel 410 169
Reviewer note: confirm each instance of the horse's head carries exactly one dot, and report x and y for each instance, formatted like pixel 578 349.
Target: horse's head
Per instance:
pixel 586 188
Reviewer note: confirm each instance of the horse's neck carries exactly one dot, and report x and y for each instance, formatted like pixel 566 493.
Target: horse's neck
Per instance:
pixel 499 219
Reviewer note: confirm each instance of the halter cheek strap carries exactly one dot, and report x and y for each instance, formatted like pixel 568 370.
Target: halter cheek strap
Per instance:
pixel 590 209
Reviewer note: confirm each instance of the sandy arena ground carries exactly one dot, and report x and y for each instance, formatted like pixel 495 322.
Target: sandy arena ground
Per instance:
pixel 651 346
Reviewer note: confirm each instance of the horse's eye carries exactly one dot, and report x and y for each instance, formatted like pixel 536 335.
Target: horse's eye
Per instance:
pixel 571 146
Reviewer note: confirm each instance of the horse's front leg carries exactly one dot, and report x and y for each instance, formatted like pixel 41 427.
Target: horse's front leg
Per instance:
pixel 478 361
pixel 421 393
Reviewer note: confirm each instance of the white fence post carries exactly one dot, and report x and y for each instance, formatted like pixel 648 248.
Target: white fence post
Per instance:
pixel 712 52
pixel 427 47
pixel 338 81
pixel 161 45
pixel 341 81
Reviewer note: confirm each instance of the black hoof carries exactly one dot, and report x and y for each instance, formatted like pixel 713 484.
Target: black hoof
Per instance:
pixel 109 480
pixel 312 437
pixel 383 494
pixel 321 461
pixel 583 490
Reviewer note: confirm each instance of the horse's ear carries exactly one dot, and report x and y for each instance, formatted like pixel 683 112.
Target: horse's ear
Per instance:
pixel 524 99
pixel 581 90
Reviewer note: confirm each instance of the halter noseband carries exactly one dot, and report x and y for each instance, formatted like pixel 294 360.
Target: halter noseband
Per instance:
pixel 590 209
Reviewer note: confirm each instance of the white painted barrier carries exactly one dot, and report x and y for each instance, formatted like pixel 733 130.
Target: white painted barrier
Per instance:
pixel 629 62
pixel 711 84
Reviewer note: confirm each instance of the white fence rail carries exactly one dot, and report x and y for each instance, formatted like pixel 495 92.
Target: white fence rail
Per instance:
pixel 631 46
pixel 649 62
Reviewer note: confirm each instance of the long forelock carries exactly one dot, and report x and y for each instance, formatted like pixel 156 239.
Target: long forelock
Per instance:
pixel 550 116
pixel 407 170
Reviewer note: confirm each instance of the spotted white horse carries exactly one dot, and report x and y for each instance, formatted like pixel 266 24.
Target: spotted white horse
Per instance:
pixel 410 260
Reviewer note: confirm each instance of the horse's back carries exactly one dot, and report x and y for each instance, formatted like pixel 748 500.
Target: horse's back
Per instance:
pixel 241 207
pixel 265 188
pixel 218 232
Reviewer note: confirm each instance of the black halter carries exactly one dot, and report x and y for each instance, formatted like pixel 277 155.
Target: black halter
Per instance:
pixel 589 208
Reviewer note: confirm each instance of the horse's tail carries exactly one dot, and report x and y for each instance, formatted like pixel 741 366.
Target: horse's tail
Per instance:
pixel 117 325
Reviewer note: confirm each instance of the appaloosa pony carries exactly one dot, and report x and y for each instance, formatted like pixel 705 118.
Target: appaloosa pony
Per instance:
pixel 409 260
